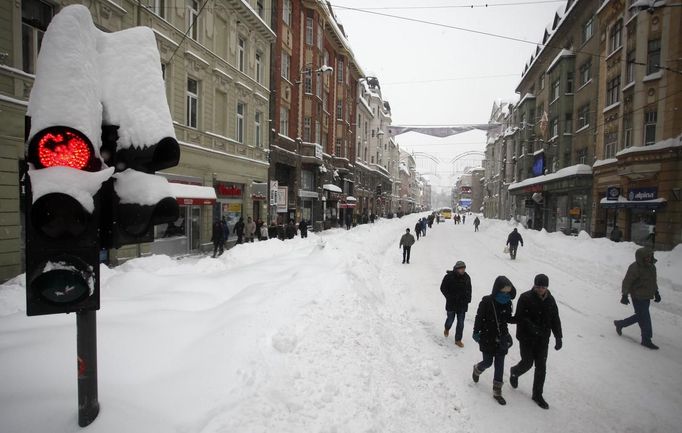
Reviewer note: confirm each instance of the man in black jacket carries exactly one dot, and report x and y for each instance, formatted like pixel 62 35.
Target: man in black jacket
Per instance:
pixel 513 241
pixel 537 316
pixel 456 287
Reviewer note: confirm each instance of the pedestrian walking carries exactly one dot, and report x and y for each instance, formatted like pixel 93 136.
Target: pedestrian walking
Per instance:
pixel 464 217
pixel 303 227
pixel 537 316
pixel 263 233
pixel 477 222
pixel 349 219
pixel 226 231
pixel 249 229
pixel 423 221
pixel 418 228
pixel 217 238
pixel 491 332
pixel 640 283
pixel 406 242
pixel 290 230
pixel 616 234
pixel 239 230
pixel 456 287
pixel 513 242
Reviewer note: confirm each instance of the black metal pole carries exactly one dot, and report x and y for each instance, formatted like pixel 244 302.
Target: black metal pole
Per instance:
pixel 86 336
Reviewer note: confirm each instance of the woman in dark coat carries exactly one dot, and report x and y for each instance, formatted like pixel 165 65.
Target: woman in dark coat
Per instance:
pixel 491 333
pixel 456 287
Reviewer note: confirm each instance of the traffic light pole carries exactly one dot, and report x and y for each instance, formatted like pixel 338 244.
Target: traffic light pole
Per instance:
pixel 86 336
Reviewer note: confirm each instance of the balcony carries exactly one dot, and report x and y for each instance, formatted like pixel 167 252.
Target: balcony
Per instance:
pixel 341 164
pixel 311 153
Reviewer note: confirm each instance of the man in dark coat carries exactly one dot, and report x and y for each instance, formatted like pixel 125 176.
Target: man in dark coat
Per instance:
pixel 640 283
pixel 477 222
pixel 239 230
pixel 303 227
pixel 290 230
pixel 456 287
pixel 536 317
pixel 406 242
pixel 491 332
pixel 217 238
pixel 513 241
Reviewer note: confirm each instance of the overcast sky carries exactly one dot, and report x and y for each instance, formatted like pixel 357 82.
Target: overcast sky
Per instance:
pixel 433 75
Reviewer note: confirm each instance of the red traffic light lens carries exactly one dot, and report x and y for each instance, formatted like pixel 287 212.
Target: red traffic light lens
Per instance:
pixel 65 148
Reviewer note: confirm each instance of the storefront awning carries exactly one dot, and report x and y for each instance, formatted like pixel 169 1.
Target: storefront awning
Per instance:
pixel 331 187
pixel 622 202
pixel 193 194
pixel 351 198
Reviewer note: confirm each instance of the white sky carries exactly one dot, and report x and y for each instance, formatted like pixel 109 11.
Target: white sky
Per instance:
pixel 332 334
pixel 439 76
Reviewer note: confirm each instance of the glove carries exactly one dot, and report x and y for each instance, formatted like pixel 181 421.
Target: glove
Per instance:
pixel 477 336
pixel 558 344
pixel 624 300
pixel 657 297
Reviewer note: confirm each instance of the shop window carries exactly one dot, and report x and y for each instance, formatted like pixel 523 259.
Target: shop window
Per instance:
pixel 174 229
pixel 643 227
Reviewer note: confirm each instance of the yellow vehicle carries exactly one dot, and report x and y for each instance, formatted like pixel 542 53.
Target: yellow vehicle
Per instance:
pixel 446 213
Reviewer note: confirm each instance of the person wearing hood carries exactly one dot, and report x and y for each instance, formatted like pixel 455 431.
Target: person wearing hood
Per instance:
pixel 456 287
pixel 537 316
pixel 491 333
pixel 640 284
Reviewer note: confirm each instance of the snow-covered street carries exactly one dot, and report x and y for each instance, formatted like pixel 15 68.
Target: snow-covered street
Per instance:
pixel 333 334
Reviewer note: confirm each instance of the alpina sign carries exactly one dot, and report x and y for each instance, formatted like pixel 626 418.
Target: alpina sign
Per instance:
pixel 639 194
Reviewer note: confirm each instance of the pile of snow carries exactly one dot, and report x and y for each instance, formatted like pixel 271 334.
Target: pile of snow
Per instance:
pixel 333 334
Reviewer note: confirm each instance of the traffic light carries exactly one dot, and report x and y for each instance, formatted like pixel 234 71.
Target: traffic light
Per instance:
pixel 62 193
pixel 137 199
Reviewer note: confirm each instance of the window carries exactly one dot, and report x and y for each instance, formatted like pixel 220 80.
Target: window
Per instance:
pixel 630 68
pixel 588 29
pixel 286 12
pixel 358 148
pixel 610 144
pixel 584 116
pixel 318 85
pixel 35 17
pixel 192 18
pixel 542 81
pixel 286 65
pixel 284 121
pixel 568 123
pixel 627 130
pixel 555 90
pixel 569 83
pixel 159 8
pixel 258 136
pixel 582 156
pixel 339 109
pixel 613 91
pixel 318 133
pixel 650 127
pixel 653 58
pixel 241 51
pixel 585 72
pixel 309 31
pixel 307 180
pixel 320 39
pixel 338 148
pixel 554 127
pixel 339 70
pixel 260 8
pixel 307 125
pixel 241 108
pixel 307 81
pixel 192 102
pixel 259 66
pixel 615 40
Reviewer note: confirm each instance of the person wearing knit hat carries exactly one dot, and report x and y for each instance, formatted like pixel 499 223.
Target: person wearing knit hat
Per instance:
pixel 456 287
pixel 537 317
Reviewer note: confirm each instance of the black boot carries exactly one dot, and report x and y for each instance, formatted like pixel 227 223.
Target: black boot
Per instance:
pixel 513 379
pixel 619 327
pixel 540 401
pixel 649 344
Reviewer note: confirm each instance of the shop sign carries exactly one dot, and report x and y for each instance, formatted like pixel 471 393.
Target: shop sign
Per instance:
pixel 318 151
pixel 574 212
pixel 612 193
pixel 274 185
pixel 225 190
pixel 195 201
pixel 533 188
pixel 639 194
pixel 232 208
pixel 282 199
pixel 465 190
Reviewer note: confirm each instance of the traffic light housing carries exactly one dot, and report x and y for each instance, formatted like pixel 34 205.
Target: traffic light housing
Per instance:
pixel 137 199
pixel 62 193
